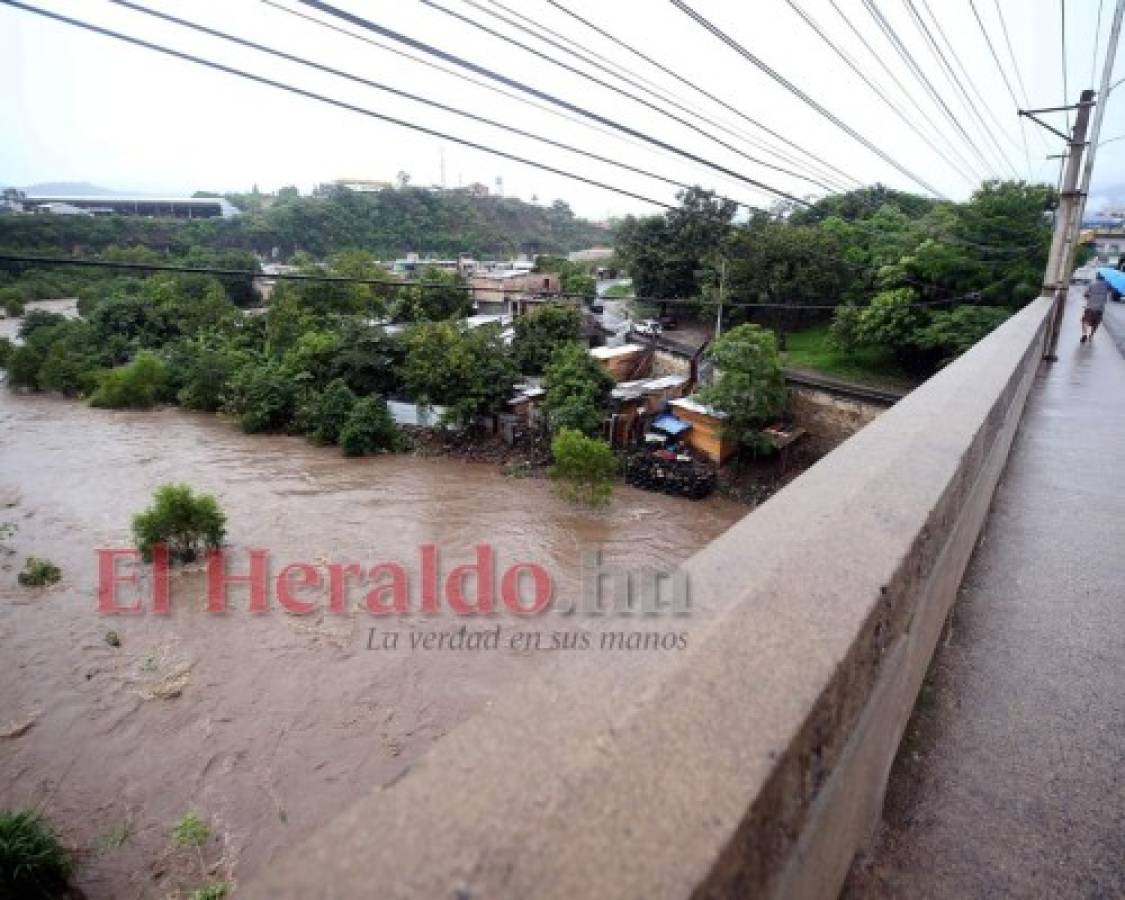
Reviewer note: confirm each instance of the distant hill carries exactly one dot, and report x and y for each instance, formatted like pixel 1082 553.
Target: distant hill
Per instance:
pixel 65 188
pixel 387 224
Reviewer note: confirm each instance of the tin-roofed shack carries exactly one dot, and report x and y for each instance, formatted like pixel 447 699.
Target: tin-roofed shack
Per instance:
pixel 706 434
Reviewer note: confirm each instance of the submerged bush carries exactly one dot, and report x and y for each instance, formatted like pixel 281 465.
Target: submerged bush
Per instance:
pixel 140 384
pixel 32 861
pixel 181 520
pixel 191 831
pixel 39 573
pixel 369 429
pixel 326 414
pixel 263 396
pixel 584 468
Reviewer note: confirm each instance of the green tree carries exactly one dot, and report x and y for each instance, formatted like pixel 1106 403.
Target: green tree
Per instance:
pixel 541 332
pixel 789 267
pixel 469 371
pixel 436 296
pixel 664 253
pixel 584 468
pixel 139 384
pixel 264 396
pixel 326 413
pixel 201 368
pixel 180 520
pixel 577 389
pixel 369 429
pixel 368 359
pixel 951 333
pixel 891 321
pixel 749 389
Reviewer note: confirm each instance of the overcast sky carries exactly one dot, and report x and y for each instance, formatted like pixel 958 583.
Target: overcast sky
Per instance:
pixel 82 107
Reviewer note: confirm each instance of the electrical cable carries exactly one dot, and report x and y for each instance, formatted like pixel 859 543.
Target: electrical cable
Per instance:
pixel 301 92
pixel 704 93
pixel 615 89
pixel 920 76
pixel 128 4
pixel 801 95
pixel 854 66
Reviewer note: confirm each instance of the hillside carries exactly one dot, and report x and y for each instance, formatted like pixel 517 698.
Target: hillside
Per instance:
pixel 72 188
pixel 387 224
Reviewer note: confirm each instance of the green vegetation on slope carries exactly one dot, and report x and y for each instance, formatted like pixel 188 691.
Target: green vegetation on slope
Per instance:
pixel 385 224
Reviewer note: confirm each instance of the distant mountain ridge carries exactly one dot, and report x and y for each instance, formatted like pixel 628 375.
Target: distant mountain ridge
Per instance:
pixel 69 189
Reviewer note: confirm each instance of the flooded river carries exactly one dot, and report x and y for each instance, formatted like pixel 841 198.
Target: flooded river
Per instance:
pixel 264 725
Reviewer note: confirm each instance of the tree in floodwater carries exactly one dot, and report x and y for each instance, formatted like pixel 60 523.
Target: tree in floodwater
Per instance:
pixel 182 521
pixel 369 429
pixel 584 468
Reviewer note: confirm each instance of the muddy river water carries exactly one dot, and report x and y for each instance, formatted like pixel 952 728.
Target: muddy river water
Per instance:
pixel 264 725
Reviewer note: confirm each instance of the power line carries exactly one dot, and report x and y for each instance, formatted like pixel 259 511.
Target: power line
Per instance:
pixel 1000 67
pixel 400 93
pixel 511 95
pixel 368 25
pixel 301 92
pixel 951 76
pixel 704 93
pixel 1097 40
pixel 968 79
pixel 607 85
pixel 878 57
pixel 972 83
pixel 1011 52
pixel 797 92
pixel 854 66
pixel 631 78
pixel 920 75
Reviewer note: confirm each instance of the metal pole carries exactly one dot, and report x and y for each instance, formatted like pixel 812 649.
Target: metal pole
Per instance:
pixel 1053 283
pixel 722 282
pixel 1095 133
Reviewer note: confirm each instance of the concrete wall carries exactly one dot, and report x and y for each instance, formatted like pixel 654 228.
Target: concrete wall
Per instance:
pixel 665 362
pixel 830 419
pixel 753 763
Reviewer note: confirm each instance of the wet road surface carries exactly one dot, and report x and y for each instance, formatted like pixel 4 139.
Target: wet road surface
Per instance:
pixel 1011 778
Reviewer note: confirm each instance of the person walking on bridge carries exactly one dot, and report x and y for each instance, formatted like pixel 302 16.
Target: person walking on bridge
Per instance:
pixel 1096 295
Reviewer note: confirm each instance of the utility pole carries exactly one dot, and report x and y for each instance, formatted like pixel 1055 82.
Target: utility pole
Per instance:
pixel 1104 90
pixel 722 284
pixel 1054 285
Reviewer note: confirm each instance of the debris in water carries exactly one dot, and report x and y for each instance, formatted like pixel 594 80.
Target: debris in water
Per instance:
pixel 19 727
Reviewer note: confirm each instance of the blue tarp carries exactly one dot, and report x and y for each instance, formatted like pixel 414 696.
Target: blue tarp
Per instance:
pixel 1115 278
pixel 670 425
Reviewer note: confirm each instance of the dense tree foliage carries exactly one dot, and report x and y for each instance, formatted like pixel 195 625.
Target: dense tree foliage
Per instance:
pixel 749 389
pixel 577 390
pixel 584 468
pixel 467 370
pixel 386 224
pixel 848 251
pixel 181 521
pixel 541 332
pixel 369 429
pixel 666 255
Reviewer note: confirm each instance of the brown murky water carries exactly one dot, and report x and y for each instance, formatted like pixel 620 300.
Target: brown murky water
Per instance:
pixel 264 725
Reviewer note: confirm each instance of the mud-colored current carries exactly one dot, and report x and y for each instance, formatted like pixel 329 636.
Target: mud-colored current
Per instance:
pixel 264 725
